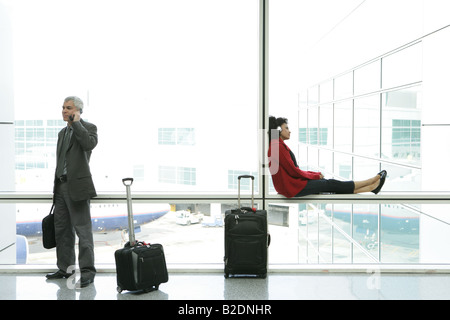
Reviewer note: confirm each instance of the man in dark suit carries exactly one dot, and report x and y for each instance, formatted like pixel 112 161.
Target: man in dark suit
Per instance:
pixel 73 189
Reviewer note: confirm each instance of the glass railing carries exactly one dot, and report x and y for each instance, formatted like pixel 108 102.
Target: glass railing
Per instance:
pixel 317 230
pixel 383 230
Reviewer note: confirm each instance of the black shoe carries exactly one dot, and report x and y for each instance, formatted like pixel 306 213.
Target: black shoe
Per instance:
pixel 84 282
pixel 58 275
pixel 383 175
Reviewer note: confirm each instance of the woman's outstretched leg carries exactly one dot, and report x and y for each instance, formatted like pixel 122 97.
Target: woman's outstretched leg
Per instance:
pixel 367 185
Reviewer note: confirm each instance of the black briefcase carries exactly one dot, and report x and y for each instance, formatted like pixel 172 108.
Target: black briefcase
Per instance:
pixel 246 240
pixel 48 230
pixel 139 266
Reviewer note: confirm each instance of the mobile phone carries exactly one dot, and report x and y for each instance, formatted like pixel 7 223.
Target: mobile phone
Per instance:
pixel 71 118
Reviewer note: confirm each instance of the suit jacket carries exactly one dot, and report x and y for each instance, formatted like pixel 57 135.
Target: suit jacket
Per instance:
pixel 287 178
pixel 83 141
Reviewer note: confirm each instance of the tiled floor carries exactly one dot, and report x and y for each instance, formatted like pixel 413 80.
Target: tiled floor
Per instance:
pixel 213 286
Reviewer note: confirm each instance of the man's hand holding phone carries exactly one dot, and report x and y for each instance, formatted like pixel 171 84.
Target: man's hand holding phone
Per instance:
pixel 75 116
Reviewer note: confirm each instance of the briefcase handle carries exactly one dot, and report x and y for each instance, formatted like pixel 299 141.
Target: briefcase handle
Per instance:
pixel 239 188
pixel 126 180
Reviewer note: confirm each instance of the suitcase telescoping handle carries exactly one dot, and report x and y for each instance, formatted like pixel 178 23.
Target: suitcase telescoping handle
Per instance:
pixel 127 183
pixel 239 188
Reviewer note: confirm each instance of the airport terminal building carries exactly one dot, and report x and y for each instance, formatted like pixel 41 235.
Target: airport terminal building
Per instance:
pixel 181 93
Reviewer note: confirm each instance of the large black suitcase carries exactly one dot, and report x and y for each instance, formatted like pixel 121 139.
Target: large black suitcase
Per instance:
pixel 139 266
pixel 246 239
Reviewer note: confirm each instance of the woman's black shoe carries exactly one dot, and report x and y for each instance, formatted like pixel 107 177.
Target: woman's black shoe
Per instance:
pixel 383 175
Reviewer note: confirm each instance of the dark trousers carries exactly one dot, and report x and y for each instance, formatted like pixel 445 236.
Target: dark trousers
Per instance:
pixel 327 186
pixel 73 217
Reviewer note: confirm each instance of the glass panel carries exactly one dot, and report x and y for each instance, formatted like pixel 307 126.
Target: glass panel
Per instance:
pixel 313 125
pixel 367 78
pixel 170 107
pixel 303 125
pixel 285 229
pixel 326 125
pixel 365 168
pixel 326 92
pixel 434 233
pixel 313 96
pixel 313 233
pixel 313 159
pixel 367 126
pixel 302 160
pixel 343 86
pixel 403 67
pixel 403 179
pixel 325 238
pixel 436 150
pixel 342 217
pixel 365 231
pixel 400 234
pixel 303 135
pixel 394 230
pixel 302 238
pixel 342 250
pixel 343 165
pixel 10 242
pixel 401 131
pixel 343 124
pixel 325 162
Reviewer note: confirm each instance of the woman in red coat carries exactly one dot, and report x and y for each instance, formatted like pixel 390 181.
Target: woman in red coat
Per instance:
pixel 290 181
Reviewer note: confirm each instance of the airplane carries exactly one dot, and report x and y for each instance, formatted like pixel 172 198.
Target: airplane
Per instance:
pixel 104 217
pixel 399 224
pixel 394 218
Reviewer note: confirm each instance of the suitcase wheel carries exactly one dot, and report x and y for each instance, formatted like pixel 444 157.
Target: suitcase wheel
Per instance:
pixel 119 289
pixel 154 288
pixel 262 276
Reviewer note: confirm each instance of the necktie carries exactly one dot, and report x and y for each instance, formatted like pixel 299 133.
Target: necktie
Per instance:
pixel 62 154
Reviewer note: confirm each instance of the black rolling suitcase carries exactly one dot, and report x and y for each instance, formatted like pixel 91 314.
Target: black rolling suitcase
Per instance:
pixel 139 266
pixel 246 239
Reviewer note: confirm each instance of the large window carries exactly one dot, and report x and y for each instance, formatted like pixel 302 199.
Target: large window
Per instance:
pixel 364 85
pixel 177 89
pixel 171 85
pixel 372 128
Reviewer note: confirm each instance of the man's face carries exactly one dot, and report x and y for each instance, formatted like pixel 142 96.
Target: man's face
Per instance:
pixel 68 109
